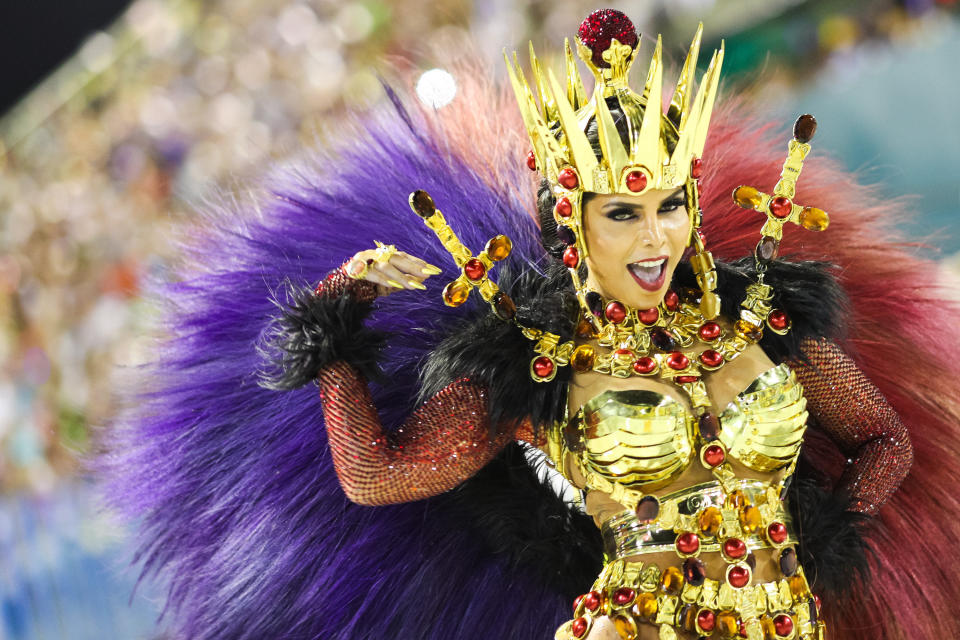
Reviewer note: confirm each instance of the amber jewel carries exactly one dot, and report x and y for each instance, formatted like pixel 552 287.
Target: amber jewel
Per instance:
pixel 728 624
pixel 747 197
pixel 646 606
pixel 671 581
pixel 750 518
pixel 736 499
pixel 626 627
pixel 798 586
pixel 709 521
pixel 814 219
pixel 769 631
pixel 456 293
pixel 688 617
pixel 499 247
pixel 583 358
pixel 748 331
pixel 504 306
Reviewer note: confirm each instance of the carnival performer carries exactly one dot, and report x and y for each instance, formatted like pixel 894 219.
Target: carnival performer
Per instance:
pixel 671 390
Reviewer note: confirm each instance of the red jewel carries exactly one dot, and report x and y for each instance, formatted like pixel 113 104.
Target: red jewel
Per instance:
pixel 568 179
pixel 699 189
pixel 543 366
pixel 702 236
pixel 576 603
pixel 735 548
pixel 615 312
pixel 579 627
pixel 649 316
pixel 474 269
pixel 624 595
pixel 711 358
pixel 671 300
pixel 532 161
pixel 816 602
pixel 644 365
pixel 592 601
pixel 778 319
pixel 777 532
pixel 677 361
pixel 636 181
pixel 714 455
pixel 696 168
pixel 623 352
pixel 686 379
pixel 706 620
pixel 688 543
pixel 600 27
pixel 564 208
pixel 738 577
pixel 709 331
pixel 783 625
pixel 781 207
pixel 743 629
pixel 571 257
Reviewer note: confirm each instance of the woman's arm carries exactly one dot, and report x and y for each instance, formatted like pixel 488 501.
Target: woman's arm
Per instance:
pixel 857 417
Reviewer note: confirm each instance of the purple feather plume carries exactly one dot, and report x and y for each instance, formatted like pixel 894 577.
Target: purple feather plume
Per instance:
pixel 231 486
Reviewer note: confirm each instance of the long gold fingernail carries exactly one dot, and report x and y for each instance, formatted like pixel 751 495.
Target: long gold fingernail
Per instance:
pixel 431 270
pixel 416 285
pixel 395 284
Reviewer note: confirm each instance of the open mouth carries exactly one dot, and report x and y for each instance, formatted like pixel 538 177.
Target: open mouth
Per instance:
pixel 650 273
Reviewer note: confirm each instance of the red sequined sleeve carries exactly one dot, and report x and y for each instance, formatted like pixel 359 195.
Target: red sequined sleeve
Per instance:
pixel 857 417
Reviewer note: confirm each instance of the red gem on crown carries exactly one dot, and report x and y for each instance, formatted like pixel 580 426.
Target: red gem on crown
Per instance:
pixel 602 26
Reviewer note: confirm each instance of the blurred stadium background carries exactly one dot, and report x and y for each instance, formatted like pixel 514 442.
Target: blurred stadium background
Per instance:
pixel 116 116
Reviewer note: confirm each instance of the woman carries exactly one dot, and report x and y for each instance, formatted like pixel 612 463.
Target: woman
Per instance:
pixel 236 498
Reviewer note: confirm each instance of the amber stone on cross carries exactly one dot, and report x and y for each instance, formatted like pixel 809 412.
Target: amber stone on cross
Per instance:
pixel 504 306
pixel 499 247
pixel 456 293
pixel 747 197
pixel 423 203
pixel 804 128
pixel 814 219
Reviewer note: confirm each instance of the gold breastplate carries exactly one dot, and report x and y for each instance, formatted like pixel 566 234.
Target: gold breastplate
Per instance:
pixel 643 440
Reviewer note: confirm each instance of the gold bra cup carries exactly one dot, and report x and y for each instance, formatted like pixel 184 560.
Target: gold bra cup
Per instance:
pixel 636 438
pixel 763 429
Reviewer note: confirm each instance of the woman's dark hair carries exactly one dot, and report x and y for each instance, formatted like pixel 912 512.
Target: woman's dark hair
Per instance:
pixel 545 199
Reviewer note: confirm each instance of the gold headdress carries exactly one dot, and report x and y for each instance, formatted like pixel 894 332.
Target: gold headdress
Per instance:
pixel 663 149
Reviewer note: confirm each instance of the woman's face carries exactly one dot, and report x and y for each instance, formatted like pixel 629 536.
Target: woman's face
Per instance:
pixel 634 243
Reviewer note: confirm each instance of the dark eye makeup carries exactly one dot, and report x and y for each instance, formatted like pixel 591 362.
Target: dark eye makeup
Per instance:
pixel 628 213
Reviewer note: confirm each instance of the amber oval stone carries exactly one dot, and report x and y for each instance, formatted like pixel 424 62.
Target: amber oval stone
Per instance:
pixel 769 631
pixel 615 312
pixel 788 561
pixel 565 235
pixel 814 219
pixel 571 257
pixel 456 293
pixel 747 197
pixel 798 586
pixel 504 306
pixel 531 161
pixel 780 207
pixel 709 521
pixel 579 627
pixel 709 426
pixel 688 618
pixel 646 606
pixel 568 178
pixel 671 581
pixel 648 509
pixel 767 249
pixel 626 627
pixel 662 339
pixel 694 571
pixel 804 128
pixel 737 499
pixel 584 329
pixel 563 208
pixel 748 331
pixel 728 624
pixel 499 247
pixel 583 358
pixel 750 518
pixel 474 269
pixel 423 203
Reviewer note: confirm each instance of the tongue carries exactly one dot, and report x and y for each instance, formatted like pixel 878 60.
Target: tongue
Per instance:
pixel 647 274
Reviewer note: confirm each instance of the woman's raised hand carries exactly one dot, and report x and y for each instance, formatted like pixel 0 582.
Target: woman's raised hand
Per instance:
pixel 390 270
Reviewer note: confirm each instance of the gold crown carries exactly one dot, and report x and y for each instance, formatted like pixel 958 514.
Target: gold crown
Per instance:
pixel 556 126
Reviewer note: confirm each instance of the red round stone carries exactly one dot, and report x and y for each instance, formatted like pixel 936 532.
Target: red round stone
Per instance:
pixel 780 207
pixel 615 312
pixel 677 361
pixel 777 532
pixel 592 600
pixel 636 181
pixel 778 319
pixel 686 379
pixel 571 257
pixel 474 269
pixel 649 316
pixel 623 352
pixel 532 161
pixel 579 627
pixel 706 620
pixel 714 455
pixel 735 548
pixel 644 365
pixel 696 168
pixel 576 603
pixel 564 209
pixel 709 331
pixel 711 358
pixel 671 300
pixel 543 366
pixel 568 179
pixel 783 624
pixel 738 577
pixel 688 543
pixel 624 596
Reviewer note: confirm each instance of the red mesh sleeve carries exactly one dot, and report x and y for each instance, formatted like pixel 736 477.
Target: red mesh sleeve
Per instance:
pixel 857 417
pixel 338 282
pixel 440 445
